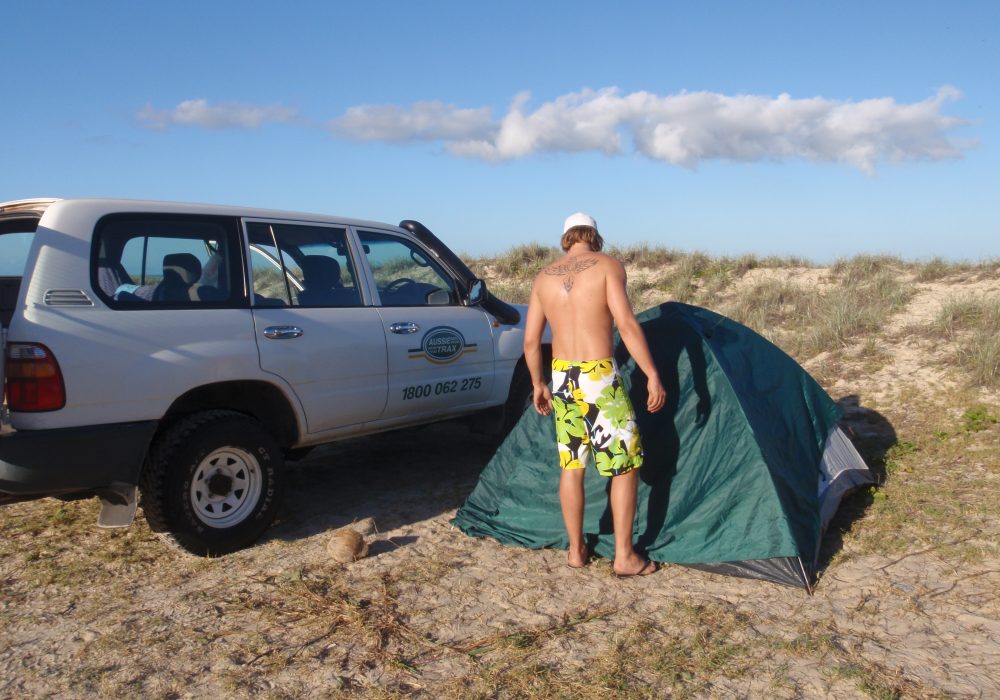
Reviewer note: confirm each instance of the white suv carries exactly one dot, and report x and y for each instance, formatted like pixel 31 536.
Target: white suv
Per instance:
pixel 189 349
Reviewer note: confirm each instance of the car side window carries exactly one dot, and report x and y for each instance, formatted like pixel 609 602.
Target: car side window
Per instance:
pixel 162 261
pixel 404 273
pixel 301 265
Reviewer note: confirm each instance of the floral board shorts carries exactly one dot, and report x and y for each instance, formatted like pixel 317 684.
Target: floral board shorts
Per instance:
pixel 594 416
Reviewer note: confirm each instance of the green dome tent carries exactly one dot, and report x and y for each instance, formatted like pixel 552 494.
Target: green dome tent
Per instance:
pixel 744 468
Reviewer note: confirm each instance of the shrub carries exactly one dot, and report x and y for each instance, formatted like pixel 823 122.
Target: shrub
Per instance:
pixel 958 314
pixel 973 325
pixel 775 303
pixel 523 261
pixel 643 255
pixel 936 268
pixel 868 296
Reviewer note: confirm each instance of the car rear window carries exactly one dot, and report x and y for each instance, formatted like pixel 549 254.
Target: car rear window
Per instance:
pixel 16 235
pixel 14 252
pixel 162 261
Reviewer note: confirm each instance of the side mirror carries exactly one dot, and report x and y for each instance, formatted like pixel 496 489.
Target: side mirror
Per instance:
pixel 477 292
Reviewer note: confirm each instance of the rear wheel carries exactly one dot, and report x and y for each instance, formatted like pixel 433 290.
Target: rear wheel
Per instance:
pixel 212 483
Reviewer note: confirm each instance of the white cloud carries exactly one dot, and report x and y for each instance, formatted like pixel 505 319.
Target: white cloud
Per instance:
pixel 424 121
pixel 224 115
pixel 586 121
pixel 683 129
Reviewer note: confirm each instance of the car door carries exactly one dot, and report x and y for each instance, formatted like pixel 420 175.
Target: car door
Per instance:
pixel 440 352
pixel 315 325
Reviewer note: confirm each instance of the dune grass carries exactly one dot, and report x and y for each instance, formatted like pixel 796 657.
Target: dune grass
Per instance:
pixel 864 303
pixel 809 320
pixel 972 326
pixel 775 303
pixel 644 255
pixel 938 268
pixel 862 268
pixel 520 263
pixel 858 297
pixel 658 274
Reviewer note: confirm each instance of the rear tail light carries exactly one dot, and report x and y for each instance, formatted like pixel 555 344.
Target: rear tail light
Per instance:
pixel 33 378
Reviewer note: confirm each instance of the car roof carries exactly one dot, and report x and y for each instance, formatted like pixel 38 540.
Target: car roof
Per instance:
pixel 138 206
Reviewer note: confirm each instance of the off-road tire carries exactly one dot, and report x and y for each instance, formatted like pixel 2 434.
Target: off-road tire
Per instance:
pixel 180 466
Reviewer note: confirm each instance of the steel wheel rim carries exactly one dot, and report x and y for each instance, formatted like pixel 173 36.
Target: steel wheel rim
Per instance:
pixel 226 487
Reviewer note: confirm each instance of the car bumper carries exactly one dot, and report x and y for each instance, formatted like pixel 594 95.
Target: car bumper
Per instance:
pixel 37 463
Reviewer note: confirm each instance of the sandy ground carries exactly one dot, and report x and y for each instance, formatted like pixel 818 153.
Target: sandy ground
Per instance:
pixel 138 617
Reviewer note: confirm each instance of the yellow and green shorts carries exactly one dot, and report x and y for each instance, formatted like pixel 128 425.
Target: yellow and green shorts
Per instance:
pixel 594 417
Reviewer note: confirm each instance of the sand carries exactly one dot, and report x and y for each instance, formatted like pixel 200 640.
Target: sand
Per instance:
pixel 87 612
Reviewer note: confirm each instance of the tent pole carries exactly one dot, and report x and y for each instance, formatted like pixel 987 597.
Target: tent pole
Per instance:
pixel 805 576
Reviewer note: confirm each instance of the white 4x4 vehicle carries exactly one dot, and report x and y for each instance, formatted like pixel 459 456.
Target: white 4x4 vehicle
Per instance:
pixel 187 350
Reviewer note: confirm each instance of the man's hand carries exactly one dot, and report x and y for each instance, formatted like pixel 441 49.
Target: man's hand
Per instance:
pixel 542 398
pixel 657 395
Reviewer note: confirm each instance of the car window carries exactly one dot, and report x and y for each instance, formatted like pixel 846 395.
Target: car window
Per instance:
pixel 14 248
pixel 270 286
pixel 301 265
pixel 166 261
pixel 14 252
pixel 404 273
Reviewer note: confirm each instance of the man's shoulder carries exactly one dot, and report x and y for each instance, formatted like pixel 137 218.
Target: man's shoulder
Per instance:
pixel 578 263
pixel 611 262
pixel 604 259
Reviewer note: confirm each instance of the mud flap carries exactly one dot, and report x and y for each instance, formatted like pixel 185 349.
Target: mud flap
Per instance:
pixel 118 505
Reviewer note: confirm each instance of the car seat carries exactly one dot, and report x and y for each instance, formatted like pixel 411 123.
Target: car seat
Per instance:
pixel 111 276
pixel 213 285
pixel 180 272
pixel 323 286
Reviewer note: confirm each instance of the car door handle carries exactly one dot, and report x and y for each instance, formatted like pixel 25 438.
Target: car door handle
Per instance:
pixel 404 328
pixel 282 332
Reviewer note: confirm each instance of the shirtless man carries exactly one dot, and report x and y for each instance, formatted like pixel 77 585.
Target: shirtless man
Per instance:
pixel 582 295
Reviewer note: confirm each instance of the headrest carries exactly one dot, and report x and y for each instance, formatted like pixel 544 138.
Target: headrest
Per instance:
pixel 320 271
pixel 184 265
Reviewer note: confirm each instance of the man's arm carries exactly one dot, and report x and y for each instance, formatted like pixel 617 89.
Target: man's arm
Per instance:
pixel 534 326
pixel 632 335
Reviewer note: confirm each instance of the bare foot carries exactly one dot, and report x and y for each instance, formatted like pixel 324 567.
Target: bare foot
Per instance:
pixel 635 566
pixel 577 558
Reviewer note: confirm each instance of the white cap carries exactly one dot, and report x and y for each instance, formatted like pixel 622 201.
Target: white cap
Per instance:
pixel 579 219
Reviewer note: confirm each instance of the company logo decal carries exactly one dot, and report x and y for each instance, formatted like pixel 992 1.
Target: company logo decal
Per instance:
pixel 442 345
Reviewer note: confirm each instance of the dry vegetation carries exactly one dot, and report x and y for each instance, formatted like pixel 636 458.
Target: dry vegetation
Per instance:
pixel 907 605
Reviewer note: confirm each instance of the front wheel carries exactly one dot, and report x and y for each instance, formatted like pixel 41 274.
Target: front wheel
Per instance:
pixel 212 482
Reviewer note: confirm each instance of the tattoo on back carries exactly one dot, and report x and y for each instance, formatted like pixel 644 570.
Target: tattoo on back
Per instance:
pixel 568 268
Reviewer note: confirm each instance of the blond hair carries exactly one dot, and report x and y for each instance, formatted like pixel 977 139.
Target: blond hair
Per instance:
pixel 587 234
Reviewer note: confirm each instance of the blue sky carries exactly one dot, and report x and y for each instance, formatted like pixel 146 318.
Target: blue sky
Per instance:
pixel 492 122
